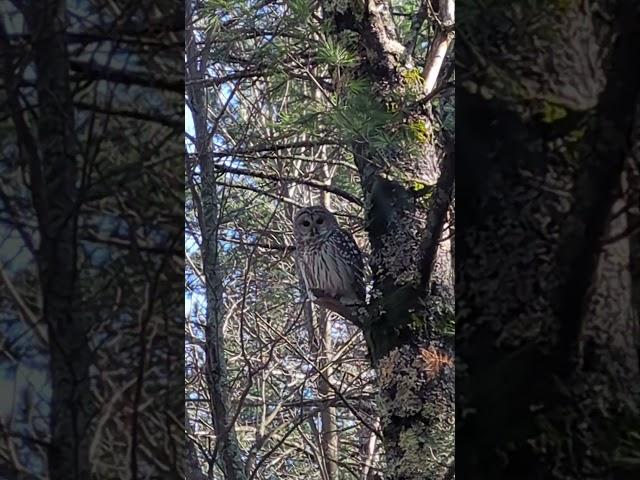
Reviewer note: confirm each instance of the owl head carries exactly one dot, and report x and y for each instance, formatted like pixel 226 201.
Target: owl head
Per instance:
pixel 313 222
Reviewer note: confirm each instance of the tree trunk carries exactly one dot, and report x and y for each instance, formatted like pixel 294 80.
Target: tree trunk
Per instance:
pixel 329 430
pixel 412 300
pixel 329 427
pixel 406 329
pixel 54 191
pixel 227 447
pixel 547 359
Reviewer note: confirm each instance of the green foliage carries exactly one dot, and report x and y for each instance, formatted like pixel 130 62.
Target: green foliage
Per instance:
pixel 336 54
pixel 301 9
pixel 363 117
pixel 628 454
pixel 421 188
pixel 215 6
pixel 212 11
pixel 407 10
pixel 358 86
pixel 340 6
pixel 296 119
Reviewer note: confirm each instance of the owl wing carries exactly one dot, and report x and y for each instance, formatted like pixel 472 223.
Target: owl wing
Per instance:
pixel 350 247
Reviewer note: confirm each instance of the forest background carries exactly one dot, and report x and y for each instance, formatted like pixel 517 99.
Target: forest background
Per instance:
pixel 349 105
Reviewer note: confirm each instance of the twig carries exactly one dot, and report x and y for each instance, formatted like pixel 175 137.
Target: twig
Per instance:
pixel 281 178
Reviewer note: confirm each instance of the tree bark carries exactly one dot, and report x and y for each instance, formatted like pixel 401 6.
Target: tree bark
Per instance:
pixel 329 430
pixel 412 298
pixel 53 170
pixel 543 299
pixel 230 460
pixel 440 44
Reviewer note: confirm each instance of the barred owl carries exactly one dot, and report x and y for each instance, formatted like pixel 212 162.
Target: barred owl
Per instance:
pixel 330 261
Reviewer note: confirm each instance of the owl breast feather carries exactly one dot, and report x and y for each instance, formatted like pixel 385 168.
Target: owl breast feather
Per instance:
pixel 332 265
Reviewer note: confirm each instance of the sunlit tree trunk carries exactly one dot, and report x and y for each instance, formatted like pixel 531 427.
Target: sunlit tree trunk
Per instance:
pixel 228 452
pixel 412 298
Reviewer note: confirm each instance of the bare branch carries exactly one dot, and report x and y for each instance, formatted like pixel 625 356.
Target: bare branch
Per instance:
pixel 283 178
pixel 440 45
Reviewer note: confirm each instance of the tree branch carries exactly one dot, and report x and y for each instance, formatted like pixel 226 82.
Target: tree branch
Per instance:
pixel 282 178
pixel 96 71
pixel 445 20
pixel 272 147
pixel 341 309
pixel 150 117
pixel 416 24
pixel 215 81
pixel 437 214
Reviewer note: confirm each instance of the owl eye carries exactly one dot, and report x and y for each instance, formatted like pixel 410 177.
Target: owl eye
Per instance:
pixel 320 221
pixel 306 223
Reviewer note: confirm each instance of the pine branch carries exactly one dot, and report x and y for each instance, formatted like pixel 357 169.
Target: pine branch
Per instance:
pixel 284 178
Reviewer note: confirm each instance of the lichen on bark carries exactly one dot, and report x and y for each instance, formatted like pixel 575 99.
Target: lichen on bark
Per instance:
pixel 415 413
pixel 532 55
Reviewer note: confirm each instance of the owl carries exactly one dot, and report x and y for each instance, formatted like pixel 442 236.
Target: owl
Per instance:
pixel 330 261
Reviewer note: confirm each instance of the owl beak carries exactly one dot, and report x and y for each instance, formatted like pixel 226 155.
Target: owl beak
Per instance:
pixel 314 230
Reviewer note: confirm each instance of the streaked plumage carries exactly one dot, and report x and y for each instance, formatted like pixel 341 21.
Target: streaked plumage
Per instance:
pixel 330 260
